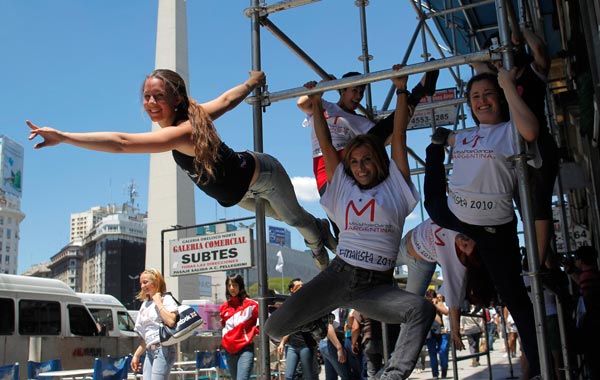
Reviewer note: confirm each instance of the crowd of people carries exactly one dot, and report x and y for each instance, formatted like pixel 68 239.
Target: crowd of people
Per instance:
pixel 367 195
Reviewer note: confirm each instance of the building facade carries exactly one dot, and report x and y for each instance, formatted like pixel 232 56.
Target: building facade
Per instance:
pixel 11 187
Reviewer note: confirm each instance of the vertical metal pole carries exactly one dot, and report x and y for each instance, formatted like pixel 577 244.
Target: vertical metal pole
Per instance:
pixel 527 214
pixel 261 252
pixel 365 57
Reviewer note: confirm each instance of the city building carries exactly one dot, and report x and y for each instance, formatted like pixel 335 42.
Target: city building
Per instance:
pixel 11 187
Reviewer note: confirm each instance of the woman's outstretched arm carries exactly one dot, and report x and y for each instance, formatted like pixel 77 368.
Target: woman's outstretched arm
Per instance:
pixel 161 140
pixel 234 96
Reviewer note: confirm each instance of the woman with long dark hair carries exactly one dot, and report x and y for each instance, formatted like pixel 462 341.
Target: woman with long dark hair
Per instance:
pixel 239 315
pixel 187 130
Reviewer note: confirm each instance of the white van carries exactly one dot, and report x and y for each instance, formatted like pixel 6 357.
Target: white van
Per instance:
pixel 110 314
pixel 33 306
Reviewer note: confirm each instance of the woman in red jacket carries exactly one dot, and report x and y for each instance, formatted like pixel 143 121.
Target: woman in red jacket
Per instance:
pixel 239 315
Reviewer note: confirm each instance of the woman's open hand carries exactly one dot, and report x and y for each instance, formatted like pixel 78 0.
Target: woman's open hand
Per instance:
pixel 51 136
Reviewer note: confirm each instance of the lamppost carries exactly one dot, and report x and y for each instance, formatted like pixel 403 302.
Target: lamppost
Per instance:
pixel 133 279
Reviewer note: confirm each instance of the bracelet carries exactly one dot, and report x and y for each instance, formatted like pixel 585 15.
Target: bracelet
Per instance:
pixel 402 91
pixel 159 310
pixel 248 87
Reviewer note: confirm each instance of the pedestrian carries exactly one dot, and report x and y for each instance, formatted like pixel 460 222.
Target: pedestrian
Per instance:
pixel 300 347
pixel 239 317
pixel 157 308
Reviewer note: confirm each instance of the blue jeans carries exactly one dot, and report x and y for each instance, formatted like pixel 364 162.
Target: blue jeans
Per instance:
pixel 354 361
pixel 373 294
pixel 158 362
pixel 275 187
pixel 491 330
pixel 437 345
pixel 304 355
pixel 240 364
pixel 333 368
pixel 419 271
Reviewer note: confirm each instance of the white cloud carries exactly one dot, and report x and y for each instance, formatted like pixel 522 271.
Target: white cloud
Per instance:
pixel 413 215
pixel 305 188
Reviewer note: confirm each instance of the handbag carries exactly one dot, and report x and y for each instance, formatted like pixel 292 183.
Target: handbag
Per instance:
pixel 187 321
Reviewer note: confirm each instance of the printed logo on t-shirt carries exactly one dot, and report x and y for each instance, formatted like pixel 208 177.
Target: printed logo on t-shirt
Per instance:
pixel 364 226
pixel 474 140
pixel 351 206
pixel 438 240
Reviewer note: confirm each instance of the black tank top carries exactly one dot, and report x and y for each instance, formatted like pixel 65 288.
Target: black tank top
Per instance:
pixel 233 173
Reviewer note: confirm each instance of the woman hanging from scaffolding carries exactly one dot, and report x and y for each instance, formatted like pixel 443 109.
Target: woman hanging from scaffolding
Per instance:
pixel 187 130
pixel 480 189
pixel 369 197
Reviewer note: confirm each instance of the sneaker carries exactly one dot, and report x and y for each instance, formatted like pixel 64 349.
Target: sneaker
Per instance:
pixel 327 237
pixel 321 258
pixel 440 136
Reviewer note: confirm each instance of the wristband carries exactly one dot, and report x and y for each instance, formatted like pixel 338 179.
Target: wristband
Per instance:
pixel 402 91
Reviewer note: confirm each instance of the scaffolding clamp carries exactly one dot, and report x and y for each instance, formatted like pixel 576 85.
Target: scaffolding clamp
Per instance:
pixel 261 9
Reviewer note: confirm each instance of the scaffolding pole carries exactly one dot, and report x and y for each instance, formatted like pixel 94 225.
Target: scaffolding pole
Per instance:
pixel 261 244
pixel 526 211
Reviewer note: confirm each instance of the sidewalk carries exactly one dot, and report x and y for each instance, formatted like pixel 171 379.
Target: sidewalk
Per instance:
pixel 501 369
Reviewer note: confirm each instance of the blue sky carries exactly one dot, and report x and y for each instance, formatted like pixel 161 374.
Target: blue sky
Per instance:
pixel 79 66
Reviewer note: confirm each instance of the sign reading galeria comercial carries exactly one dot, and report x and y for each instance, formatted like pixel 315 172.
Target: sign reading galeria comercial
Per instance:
pixel 211 253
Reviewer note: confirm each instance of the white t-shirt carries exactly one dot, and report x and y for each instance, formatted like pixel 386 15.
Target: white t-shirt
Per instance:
pixel 343 126
pixel 370 220
pixel 148 319
pixel 480 189
pixel 434 243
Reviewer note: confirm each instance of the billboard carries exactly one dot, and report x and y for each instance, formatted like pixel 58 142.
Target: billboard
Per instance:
pixel 445 115
pixel 11 168
pixel 279 236
pixel 210 253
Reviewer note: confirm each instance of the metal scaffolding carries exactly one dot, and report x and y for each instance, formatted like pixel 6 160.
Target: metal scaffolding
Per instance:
pixel 460 22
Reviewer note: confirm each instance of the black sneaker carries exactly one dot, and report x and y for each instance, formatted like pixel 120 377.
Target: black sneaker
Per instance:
pixel 440 136
pixel 426 89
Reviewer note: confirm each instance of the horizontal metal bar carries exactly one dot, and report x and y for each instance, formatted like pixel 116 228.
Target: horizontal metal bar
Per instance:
pixel 287 4
pixel 422 170
pixel 357 80
pixel 458 9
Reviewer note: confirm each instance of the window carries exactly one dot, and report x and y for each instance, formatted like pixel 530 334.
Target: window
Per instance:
pixel 39 317
pixel 8 234
pixel 104 318
pixel 125 322
pixel 1 220
pixel 80 321
pixel 7 322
